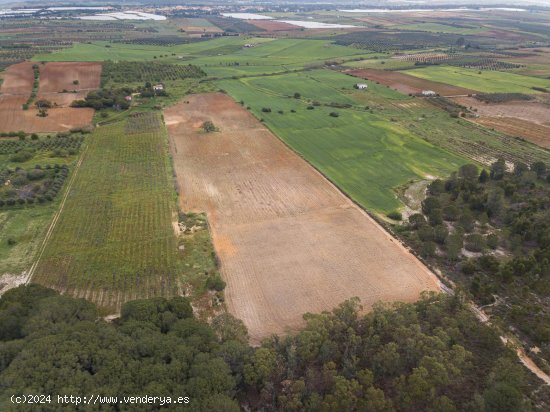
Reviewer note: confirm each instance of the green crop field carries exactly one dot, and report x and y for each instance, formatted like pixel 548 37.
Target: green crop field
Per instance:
pixel 222 57
pixel 484 81
pixel 366 155
pixel 115 238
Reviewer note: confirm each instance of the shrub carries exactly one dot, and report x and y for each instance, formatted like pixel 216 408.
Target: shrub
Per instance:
pixel 492 241
pixel 22 156
pixel 440 234
pixel 417 220
pixel 475 242
pixel 395 215
pixel 215 283
pixel 468 267
pixel 427 249
pixel 209 127
pixel 266 109
pixel 334 114
pixel 425 233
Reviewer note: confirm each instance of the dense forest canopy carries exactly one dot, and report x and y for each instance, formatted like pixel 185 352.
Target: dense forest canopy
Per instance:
pixel 431 356
pixel 490 231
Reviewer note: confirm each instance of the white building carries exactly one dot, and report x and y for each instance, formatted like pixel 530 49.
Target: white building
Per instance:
pixel 361 86
pixel 428 93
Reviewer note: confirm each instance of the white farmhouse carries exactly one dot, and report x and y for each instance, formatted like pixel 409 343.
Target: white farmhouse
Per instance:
pixel 428 93
pixel 361 86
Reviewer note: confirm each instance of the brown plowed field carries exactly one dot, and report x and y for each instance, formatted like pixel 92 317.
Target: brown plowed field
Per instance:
pixel 18 79
pixel 406 84
pixel 531 111
pixel 535 133
pixel 270 25
pixel 289 242
pixel 58 76
pixel 54 77
pixel 13 118
pixel 527 119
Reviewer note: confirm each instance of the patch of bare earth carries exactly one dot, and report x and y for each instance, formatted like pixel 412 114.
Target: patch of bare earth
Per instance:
pixel 57 81
pixel 54 77
pixel 270 25
pixel 17 79
pixel 9 281
pixel 408 84
pixel 289 242
pixel 527 119
pixel 535 133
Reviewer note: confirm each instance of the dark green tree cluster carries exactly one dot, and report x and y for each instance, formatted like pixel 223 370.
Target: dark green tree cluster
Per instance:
pixel 106 99
pixel 491 229
pixel 429 356
pixel 20 187
pixel 54 344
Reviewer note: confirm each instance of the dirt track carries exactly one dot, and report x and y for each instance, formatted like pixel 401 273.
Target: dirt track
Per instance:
pixel 408 84
pixel 289 242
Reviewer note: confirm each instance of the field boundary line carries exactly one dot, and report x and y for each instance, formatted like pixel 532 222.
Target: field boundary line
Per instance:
pixel 56 217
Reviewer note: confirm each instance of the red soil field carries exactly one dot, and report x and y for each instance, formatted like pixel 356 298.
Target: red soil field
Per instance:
pixel 13 118
pixel 531 111
pixel 527 119
pixel 54 77
pixel 270 25
pixel 58 76
pixel 289 242
pixel 535 133
pixel 406 84
pixel 18 79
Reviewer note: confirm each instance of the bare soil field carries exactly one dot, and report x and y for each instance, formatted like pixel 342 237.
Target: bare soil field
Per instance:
pixel 531 111
pixel 288 241
pixel 535 133
pixel 13 118
pixel 18 79
pixel 527 119
pixel 54 77
pixel 270 25
pixel 58 76
pixel 406 84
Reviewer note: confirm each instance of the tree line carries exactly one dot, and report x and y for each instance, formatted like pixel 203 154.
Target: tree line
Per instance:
pixel 432 355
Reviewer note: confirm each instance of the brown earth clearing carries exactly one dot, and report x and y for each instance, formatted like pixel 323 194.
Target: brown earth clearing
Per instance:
pixel 535 133
pixel 288 241
pixel 13 118
pixel 531 111
pixel 58 76
pixel 190 25
pixel 18 79
pixel 407 84
pixel 54 77
pixel 527 119
pixel 270 25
